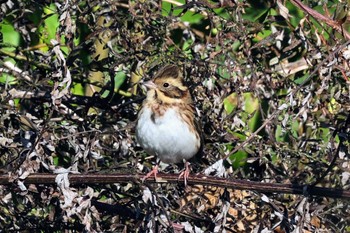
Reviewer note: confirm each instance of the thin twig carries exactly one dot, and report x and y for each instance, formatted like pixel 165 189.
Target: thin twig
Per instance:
pixel 293 92
pixel 321 17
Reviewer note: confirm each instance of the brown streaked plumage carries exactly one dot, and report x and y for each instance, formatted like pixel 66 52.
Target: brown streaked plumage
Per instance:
pixel 166 125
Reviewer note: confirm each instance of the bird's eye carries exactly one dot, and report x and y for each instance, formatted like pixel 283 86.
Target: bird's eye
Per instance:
pixel 166 85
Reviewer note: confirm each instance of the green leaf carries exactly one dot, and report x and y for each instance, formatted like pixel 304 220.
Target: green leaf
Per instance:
pixel 252 105
pixel 256 14
pixel 279 134
pixel 230 103
pixel 7 79
pixel 186 15
pixel 10 36
pixel 222 12
pixel 77 89
pixel 239 159
pixel 223 72
pixel 301 79
pixel 49 28
pixel 119 80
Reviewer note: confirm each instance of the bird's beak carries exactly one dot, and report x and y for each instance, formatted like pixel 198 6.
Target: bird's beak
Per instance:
pixel 149 85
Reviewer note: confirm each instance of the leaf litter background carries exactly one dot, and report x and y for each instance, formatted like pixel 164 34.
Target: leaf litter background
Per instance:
pixel 248 64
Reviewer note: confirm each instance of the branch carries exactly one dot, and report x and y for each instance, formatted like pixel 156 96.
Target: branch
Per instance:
pixel 95 101
pixel 78 179
pixel 321 17
pixel 24 58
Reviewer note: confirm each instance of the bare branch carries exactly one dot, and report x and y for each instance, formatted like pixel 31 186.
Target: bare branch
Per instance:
pixel 321 17
pixel 78 179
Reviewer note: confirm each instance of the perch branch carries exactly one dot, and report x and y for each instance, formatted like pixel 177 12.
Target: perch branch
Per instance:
pixel 78 179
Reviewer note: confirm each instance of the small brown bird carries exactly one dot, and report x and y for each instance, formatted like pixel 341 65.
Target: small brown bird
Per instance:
pixel 166 125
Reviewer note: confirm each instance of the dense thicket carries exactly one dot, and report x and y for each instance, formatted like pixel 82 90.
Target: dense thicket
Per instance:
pixel 270 80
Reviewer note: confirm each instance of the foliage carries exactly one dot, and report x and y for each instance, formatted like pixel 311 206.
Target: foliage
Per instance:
pixel 264 75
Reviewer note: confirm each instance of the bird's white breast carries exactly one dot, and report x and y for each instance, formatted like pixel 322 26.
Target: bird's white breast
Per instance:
pixel 166 136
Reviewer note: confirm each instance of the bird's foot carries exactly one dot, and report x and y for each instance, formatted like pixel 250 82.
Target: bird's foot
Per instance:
pixel 186 173
pixel 154 173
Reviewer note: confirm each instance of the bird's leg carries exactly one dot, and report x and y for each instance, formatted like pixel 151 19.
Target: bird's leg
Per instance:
pixel 154 173
pixel 186 173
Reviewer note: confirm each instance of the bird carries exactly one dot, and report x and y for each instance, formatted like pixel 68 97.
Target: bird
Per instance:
pixel 166 126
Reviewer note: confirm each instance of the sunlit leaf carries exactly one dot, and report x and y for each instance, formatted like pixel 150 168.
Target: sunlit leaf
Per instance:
pixel 9 35
pixel 239 159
